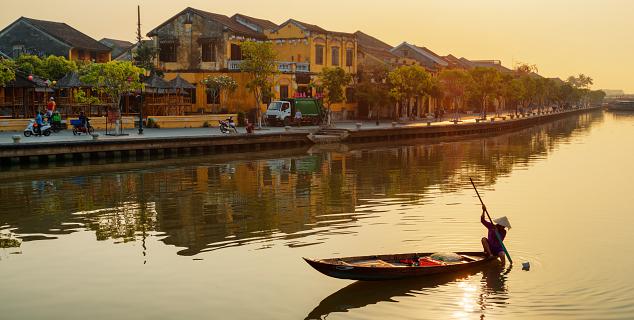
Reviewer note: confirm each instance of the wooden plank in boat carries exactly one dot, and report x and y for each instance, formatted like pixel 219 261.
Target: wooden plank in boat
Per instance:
pixel 374 263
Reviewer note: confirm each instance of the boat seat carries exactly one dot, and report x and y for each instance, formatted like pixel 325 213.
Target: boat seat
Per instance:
pixel 470 258
pixel 374 263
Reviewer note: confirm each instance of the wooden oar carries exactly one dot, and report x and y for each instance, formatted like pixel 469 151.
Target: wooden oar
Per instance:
pixel 497 233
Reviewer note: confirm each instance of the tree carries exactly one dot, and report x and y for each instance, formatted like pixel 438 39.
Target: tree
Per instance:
pixel 258 61
pixel 372 88
pixel 582 83
pixel 7 71
pixel 55 68
pixel 409 82
pixel 222 86
pixel 486 84
pixel 144 57
pixel 453 84
pixel 113 79
pixel 333 80
pixel 51 67
pixel 513 91
pixel 30 64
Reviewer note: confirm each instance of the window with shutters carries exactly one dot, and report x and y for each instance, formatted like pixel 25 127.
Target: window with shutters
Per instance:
pixel 167 52
pixel 319 54
pixel 335 56
pixel 209 51
pixel 349 57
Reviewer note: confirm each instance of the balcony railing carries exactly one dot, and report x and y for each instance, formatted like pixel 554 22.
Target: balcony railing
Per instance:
pixel 285 66
pixel 302 67
pixel 282 66
pixel 234 65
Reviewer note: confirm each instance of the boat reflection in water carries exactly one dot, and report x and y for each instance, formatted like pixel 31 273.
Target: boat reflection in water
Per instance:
pixel 361 294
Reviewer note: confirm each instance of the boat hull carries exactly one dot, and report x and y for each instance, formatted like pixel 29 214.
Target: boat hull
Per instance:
pixel 340 269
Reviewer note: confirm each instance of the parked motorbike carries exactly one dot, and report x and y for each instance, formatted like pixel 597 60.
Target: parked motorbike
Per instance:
pixel 228 126
pixel 32 130
pixel 79 128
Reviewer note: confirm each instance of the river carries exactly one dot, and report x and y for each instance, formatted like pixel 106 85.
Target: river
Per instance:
pixel 222 237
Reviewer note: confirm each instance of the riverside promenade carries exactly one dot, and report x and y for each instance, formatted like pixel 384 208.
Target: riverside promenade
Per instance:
pixel 64 146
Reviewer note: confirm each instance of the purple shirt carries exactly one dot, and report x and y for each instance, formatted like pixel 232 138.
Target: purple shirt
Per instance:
pixel 494 244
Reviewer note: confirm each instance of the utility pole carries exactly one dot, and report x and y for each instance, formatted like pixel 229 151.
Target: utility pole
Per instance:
pixel 139 99
pixel 138 28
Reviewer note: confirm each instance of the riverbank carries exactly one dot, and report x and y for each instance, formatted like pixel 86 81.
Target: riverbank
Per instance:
pixel 65 147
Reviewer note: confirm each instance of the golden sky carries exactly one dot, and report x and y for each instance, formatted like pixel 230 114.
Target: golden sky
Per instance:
pixel 562 37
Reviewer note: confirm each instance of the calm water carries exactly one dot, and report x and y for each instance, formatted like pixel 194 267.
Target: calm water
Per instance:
pixel 222 237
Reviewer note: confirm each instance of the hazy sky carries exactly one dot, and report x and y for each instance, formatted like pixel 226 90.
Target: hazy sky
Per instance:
pixel 562 37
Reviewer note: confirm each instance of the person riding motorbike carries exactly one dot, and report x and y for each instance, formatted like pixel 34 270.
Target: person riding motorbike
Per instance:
pixel 83 121
pixel 39 121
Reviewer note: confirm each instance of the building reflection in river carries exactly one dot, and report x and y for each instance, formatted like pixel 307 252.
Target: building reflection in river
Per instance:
pixel 201 205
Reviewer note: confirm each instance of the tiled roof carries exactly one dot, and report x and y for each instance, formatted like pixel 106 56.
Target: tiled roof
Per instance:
pixel 314 28
pixel 264 24
pixel 454 62
pixel 495 64
pixel 67 34
pixel 374 46
pixel 70 80
pixel 118 46
pixel 229 23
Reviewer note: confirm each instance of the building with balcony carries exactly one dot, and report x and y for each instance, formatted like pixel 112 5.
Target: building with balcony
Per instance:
pixel 46 38
pixel 196 44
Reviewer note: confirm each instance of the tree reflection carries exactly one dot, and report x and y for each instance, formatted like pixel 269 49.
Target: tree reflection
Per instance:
pixel 202 204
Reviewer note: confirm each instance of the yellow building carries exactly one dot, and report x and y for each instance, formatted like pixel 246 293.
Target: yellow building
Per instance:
pixel 196 44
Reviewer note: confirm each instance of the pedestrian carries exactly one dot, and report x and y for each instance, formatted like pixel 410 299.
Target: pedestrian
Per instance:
pixel 50 107
pixel 298 118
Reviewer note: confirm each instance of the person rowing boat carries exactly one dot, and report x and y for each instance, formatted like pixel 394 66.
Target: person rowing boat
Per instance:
pixel 492 246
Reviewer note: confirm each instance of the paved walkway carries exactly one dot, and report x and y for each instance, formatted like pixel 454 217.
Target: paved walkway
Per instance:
pixel 67 135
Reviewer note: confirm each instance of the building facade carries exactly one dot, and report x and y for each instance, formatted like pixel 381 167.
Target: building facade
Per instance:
pixel 45 38
pixel 196 44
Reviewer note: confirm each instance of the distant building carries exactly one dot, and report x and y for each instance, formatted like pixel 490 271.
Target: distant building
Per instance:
pixel 425 57
pixel 118 47
pixel 373 50
pixel 44 38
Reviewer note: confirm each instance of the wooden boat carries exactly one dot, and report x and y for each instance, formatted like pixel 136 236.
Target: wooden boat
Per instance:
pixel 329 135
pixel 623 105
pixel 395 266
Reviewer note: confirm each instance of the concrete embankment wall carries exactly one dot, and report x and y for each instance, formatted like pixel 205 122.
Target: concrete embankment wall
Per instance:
pixel 140 147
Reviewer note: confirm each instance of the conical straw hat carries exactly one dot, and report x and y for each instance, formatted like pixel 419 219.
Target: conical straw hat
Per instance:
pixel 503 221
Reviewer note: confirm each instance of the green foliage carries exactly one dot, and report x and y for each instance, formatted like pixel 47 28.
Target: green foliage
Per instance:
pixel 82 97
pixel 30 64
pixel 334 80
pixel 144 57
pixel 222 85
pixel 373 88
pixel 454 84
pixel 151 123
pixel 409 81
pixel 486 83
pixel 55 68
pixel 51 67
pixel 259 63
pixel 113 78
pixel 7 71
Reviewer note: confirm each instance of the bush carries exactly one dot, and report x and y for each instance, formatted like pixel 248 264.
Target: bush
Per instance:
pixel 151 123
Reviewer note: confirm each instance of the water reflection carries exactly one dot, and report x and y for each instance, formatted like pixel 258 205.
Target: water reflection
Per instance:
pixel 208 203
pixel 361 294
